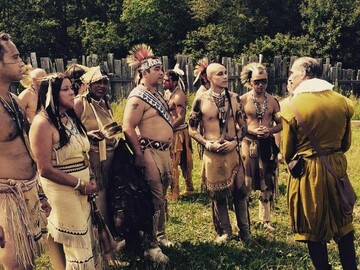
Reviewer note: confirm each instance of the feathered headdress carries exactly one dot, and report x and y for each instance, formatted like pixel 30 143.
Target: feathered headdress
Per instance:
pixel 200 68
pixel 180 73
pixel 26 80
pixel 247 72
pixel 141 57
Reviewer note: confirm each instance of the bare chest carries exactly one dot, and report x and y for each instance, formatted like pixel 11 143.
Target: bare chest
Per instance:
pixel 8 127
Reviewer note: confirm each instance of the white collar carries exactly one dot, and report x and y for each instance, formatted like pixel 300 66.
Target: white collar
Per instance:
pixel 313 85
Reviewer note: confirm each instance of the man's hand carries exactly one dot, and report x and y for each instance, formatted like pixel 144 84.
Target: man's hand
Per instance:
pixel 45 207
pixel 223 147
pixel 262 132
pixel 2 238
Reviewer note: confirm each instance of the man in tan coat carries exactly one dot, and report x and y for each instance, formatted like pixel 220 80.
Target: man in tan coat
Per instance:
pixel 315 213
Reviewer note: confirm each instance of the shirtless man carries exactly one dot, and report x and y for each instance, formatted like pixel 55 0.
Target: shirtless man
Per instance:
pixel 258 148
pixel 222 168
pixel 29 97
pixel 18 178
pixel 148 129
pixel 181 147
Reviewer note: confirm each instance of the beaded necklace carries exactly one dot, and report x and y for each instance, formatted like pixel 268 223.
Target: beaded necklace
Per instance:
pixel 260 112
pixel 219 100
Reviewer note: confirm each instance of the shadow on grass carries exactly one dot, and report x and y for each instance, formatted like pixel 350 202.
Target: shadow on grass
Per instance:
pixel 199 197
pixel 258 253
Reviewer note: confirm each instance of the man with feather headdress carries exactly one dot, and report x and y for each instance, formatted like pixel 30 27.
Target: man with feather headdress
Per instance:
pixel 181 150
pixel 148 128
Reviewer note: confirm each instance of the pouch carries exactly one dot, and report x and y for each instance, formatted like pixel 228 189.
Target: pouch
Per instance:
pixel 347 196
pixel 254 149
pixel 296 167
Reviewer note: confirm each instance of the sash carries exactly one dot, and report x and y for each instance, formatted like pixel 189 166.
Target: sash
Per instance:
pixel 149 98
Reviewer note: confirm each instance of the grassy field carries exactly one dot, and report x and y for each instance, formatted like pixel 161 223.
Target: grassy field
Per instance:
pixel 190 226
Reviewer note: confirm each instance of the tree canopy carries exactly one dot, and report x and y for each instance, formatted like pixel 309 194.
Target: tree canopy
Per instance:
pixel 68 29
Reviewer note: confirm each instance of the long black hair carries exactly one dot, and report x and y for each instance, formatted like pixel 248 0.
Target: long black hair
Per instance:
pixel 52 111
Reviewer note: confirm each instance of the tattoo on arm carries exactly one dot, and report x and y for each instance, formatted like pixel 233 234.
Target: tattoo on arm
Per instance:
pixel 135 106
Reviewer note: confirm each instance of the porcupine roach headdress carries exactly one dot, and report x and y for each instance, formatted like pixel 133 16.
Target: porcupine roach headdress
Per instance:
pixel 247 71
pixel 200 68
pixel 141 57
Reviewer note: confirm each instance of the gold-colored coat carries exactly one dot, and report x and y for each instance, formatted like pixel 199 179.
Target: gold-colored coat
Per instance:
pixel 312 198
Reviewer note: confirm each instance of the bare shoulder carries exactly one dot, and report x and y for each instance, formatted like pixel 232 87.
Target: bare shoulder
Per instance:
pixel 180 97
pixel 42 123
pixel 135 102
pixel 26 94
pixel 245 97
pixel 273 102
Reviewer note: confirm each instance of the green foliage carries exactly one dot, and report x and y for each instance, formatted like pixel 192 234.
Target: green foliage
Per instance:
pixel 356 104
pixel 216 28
pixel 223 29
pixel 335 26
pixel 160 24
pixel 281 44
pixel 101 38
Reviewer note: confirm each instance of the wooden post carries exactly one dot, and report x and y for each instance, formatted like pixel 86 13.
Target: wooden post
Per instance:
pixel 45 64
pixel 110 62
pixel 33 58
pixel 59 64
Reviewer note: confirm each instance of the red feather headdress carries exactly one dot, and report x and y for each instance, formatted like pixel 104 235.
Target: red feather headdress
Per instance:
pixel 142 57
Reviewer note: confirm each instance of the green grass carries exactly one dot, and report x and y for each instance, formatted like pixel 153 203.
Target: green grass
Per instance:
pixel 190 226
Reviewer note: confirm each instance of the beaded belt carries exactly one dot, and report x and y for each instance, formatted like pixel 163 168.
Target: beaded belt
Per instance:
pixel 148 143
pixel 74 167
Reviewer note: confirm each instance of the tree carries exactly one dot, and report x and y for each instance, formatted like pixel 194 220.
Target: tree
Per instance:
pixel 281 44
pixel 223 28
pixel 162 24
pixel 335 26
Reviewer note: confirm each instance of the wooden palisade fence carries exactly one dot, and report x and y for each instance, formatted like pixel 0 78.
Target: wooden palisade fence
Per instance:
pixel 121 75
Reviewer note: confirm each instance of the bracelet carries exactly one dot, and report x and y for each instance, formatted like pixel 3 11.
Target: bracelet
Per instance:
pixel 78 185
pixel 208 145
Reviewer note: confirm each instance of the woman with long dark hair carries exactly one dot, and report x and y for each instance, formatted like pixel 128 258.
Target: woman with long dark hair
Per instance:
pixel 60 146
